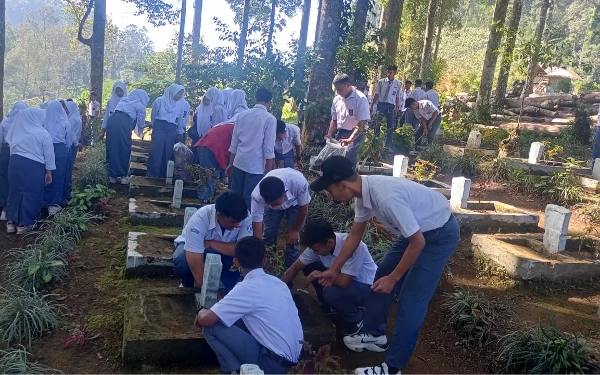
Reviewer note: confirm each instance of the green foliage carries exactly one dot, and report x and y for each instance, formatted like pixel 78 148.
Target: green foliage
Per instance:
pixel 92 169
pixel 15 361
pixel 563 85
pixel 567 140
pixel 561 186
pixel 25 316
pixel 582 126
pixel 491 137
pixel 373 148
pixel 403 139
pixel 35 266
pixel 84 200
pixel 495 171
pixel 455 132
pixel 472 316
pixel 274 261
pixel 544 349
pixel 424 170
pixel 288 115
pixel 68 222
pixel 459 165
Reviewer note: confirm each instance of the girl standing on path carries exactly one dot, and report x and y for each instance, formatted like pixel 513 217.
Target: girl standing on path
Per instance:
pixel 119 91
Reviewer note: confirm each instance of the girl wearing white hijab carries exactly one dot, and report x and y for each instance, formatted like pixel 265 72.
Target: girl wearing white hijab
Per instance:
pixel 5 154
pixel 237 103
pixel 167 112
pixel 212 111
pixel 57 124
pixel 30 168
pixel 76 127
pixel 130 114
pixel 119 91
pixel 226 95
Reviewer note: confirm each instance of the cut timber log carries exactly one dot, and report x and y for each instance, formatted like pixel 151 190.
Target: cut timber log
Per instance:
pixel 549 104
pixel 591 98
pixel 539 120
pixel 538 112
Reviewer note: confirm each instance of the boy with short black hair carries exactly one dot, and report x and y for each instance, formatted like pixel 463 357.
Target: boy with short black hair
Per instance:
pixel 431 94
pixel 427 115
pixel 351 287
pixel 265 305
pixel 288 140
pixel 388 92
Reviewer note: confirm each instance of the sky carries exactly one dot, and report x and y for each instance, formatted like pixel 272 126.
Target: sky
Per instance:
pixel 121 15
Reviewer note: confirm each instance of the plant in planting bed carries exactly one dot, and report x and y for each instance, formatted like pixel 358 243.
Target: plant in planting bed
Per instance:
pixel 495 170
pixel 320 362
pixel 34 267
pixel 544 349
pixel 15 361
pixel 86 199
pixel 25 316
pixel 560 186
pixel 69 222
pixel 403 139
pixel 471 315
pixel 92 168
pixel 424 170
pixel 372 149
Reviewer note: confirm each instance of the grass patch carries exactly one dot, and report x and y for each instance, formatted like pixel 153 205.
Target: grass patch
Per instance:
pixel 112 323
pixel 16 361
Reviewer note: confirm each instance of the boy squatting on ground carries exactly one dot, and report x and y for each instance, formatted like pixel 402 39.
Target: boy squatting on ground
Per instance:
pixel 351 287
pixel 265 305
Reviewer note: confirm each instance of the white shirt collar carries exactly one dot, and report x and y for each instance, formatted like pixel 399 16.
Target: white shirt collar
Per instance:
pixel 257 272
pixel 366 196
pixel 260 106
pixel 212 220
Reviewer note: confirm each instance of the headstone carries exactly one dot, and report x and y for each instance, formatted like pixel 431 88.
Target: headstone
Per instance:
pixel 596 170
pixel 251 370
pixel 536 152
pixel 556 228
pixel 400 167
pixel 170 172
pixel 459 195
pixel 212 279
pixel 177 193
pixel 474 140
pixel 189 212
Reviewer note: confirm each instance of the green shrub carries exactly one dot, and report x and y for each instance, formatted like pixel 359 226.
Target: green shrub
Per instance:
pixel 495 171
pixel 471 315
pixel 403 139
pixel 561 186
pixel 91 167
pixel 34 267
pixel 563 85
pixel 373 148
pixel 491 137
pixel 424 170
pixel 455 132
pixel 84 200
pixel 464 165
pixel 15 361
pixel 69 222
pixel 544 349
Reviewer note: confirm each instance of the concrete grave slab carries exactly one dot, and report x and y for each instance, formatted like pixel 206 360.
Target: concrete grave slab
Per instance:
pixel 141 144
pixel 159 213
pixel 523 257
pixel 495 217
pixel 589 183
pixel 156 187
pixel 376 168
pixel 459 151
pixel 544 167
pixel 439 186
pixel 149 255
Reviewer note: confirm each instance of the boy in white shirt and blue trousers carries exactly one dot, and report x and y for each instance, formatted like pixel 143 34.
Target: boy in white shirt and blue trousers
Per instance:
pixel 387 96
pixel 428 235
pixel 273 338
pixel 288 145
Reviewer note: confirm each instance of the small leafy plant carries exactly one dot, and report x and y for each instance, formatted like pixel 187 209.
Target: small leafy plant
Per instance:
pixel 472 316
pixel 320 362
pixel 69 222
pixel 15 361
pixel 92 169
pixel 403 139
pixel 560 186
pixel 424 170
pixel 35 267
pixel 86 199
pixel 372 149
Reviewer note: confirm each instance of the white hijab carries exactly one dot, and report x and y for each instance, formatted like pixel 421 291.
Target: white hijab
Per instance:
pixel 18 107
pixel 137 99
pixel 236 103
pixel 168 102
pixel 74 116
pixel 226 95
pixel 29 122
pixel 114 98
pixel 203 111
pixel 56 122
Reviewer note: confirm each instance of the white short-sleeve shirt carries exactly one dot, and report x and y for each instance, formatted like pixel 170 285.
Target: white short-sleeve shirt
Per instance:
pixel 348 112
pixel 296 192
pixel 265 305
pixel 203 226
pixel 433 97
pixel 426 110
pixel 395 89
pixel 290 140
pixel 403 206
pixel 360 266
pixel 417 94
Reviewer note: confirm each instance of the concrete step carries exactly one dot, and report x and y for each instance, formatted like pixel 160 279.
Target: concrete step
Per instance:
pixel 157 187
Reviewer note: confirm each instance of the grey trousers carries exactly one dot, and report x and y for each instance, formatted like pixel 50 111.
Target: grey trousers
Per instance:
pixel 243 183
pixel 272 222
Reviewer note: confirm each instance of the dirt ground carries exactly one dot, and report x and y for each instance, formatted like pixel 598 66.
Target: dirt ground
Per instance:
pixel 97 290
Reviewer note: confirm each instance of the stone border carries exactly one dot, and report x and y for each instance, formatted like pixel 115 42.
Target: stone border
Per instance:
pixel 377 169
pixel 138 188
pixel 514 221
pixel 139 157
pixel 541 169
pixel 440 187
pixel 138 265
pixel 459 151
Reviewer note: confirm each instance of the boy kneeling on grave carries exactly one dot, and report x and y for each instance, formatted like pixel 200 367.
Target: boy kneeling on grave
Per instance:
pixel 214 228
pixel 273 335
pixel 351 286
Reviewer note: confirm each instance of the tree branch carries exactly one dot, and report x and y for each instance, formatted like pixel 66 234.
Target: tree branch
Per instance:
pixel 88 10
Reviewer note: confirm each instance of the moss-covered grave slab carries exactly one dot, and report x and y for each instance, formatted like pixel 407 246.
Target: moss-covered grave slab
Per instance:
pixel 438 186
pixel 159 213
pixel 495 217
pixel 376 168
pixel 460 150
pixel 545 167
pixel 149 255
pixel 157 187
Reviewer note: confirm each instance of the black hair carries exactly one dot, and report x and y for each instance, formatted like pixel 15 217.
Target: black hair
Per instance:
pixel 93 93
pixel 341 78
pixel 69 100
pixel 418 82
pixel 429 84
pixel 407 82
pixel 409 102
pixel 316 231
pixel 82 106
pixel 250 252
pixel 271 188
pixel 263 95
pixel 393 67
pixel 281 126
pixel 232 205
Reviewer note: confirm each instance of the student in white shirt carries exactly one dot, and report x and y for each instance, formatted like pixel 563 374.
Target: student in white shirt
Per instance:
pixel 282 192
pixel 252 150
pixel 273 336
pixel 405 94
pixel 119 91
pixel 388 92
pixel 351 287
pixel 93 106
pixel 29 170
pixel 429 118
pixel 167 112
pixel 288 145
pixel 349 116
pixel 428 235
pixel 417 94
pixel 431 94
pixel 214 228
pixel 76 127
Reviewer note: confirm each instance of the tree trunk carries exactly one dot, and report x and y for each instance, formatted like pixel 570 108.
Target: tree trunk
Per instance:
pixel 319 12
pixel 539 32
pixel 491 54
pixel 243 34
pixel 97 48
pixel 271 29
pixel 2 52
pixel 180 42
pixel 438 37
pixel 390 22
pixel 425 71
pixel 507 55
pixel 304 27
pixel 196 31
pixel 359 21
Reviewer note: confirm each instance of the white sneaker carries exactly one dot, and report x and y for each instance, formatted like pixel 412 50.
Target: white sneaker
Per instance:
pixel 353 329
pixel 24 229
pixel 125 180
pixel 112 180
pixel 381 369
pixel 53 210
pixel 360 341
pixel 11 228
pixel 3 216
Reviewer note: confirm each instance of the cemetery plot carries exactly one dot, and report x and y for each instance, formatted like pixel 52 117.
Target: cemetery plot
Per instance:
pixel 156 187
pixel 160 213
pixel 149 255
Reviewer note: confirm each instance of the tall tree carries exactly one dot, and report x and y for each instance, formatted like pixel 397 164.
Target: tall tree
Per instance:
pixel 243 33
pixel 438 38
pixel 303 39
pixel 535 57
pixel 2 51
pixel 96 43
pixel 358 30
pixel 196 31
pixel 491 53
pixel 180 42
pixel 507 54
pixel 390 29
pixel 319 16
pixel 271 29
pixel 426 59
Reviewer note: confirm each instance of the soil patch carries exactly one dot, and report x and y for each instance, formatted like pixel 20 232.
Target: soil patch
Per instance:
pixel 155 246
pixel 164 206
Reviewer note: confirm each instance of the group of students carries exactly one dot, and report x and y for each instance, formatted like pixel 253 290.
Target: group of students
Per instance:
pixel 256 321
pixel 39 147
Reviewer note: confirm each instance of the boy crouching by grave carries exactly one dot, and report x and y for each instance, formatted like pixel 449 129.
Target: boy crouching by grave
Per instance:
pixel 351 286
pixel 282 192
pixel 214 228
pixel 265 306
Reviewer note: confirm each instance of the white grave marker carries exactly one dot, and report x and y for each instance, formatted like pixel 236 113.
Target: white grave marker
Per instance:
pixel 170 172
pixel 211 281
pixel 596 170
pixel 400 167
pixel 556 228
pixel 189 212
pixel 459 195
pixel 177 193
pixel 474 140
pixel 536 152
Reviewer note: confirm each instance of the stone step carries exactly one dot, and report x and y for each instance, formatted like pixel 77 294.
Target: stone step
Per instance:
pixel 141 144
pixel 137 169
pixel 149 255
pixel 495 217
pixel 139 157
pixel 160 213
pixel 157 187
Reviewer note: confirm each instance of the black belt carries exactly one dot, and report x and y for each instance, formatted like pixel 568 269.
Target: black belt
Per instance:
pixel 279 359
